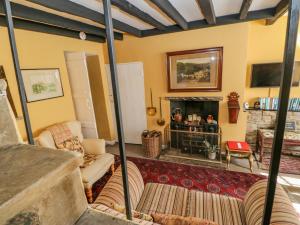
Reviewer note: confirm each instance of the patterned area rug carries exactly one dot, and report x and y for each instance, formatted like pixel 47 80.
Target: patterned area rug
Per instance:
pixel 219 181
pixel 288 164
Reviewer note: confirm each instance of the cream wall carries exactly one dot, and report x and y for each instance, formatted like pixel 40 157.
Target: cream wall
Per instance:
pixel 38 50
pixel 152 52
pixel 266 44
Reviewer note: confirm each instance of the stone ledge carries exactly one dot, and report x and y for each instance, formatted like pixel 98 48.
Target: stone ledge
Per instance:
pixel 92 217
pixel 27 172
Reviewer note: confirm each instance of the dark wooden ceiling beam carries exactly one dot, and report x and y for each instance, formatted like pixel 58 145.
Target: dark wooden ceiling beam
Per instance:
pixel 48 29
pixel 245 9
pixel 84 12
pixel 280 9
pixel 223 20
pixel 36 15
pixel 171 12
pixel 136 12
pixel 208 11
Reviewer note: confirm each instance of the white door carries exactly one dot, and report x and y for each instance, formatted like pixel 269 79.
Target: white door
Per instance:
pixel 132 97
pixel 81 93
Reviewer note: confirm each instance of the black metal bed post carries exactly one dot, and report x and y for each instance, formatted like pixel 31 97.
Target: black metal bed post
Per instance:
pixel 115 87
pixel 286 81
pixel 13 46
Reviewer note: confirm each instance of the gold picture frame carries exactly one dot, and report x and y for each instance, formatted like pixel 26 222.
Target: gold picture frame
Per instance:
pixel 195 70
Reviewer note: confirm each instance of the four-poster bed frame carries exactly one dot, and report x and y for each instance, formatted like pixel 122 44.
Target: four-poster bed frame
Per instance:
pixel 109 22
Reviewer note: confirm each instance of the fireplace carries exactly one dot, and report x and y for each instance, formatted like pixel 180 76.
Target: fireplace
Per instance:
pixel 194 127
pixel 194 110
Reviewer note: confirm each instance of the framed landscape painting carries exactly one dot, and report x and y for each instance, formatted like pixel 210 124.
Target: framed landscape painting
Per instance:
pixel 41 84
pixel 195 70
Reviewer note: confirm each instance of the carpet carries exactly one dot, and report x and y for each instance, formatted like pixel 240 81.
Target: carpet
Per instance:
pixel 288 164
pixel 235 184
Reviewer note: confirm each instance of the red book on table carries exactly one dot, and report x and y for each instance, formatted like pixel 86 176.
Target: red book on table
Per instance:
pixel 238 146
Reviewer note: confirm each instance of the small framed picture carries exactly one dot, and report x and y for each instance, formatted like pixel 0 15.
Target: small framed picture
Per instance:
pixel 195 70
pixel 41 84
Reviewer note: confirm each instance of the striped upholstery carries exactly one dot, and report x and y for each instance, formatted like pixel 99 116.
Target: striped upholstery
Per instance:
pixel 224 210
pixel 283 210
pixel 113 193
pixel 221 209
pixel 165 199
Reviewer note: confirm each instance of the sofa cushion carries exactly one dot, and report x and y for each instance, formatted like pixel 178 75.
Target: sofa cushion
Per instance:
pixel 283 210
pixel 165 219
pixel 90 174
pixel 163 198
pixel 113 192
pixel 221 209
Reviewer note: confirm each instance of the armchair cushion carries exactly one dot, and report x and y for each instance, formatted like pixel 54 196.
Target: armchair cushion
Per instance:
pixel 45 139
pixel 94 146
pixel 97 169
pixel 75 127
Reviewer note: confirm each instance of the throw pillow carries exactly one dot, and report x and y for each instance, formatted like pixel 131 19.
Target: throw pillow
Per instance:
pixel 73 145
pixel 135 214
pixel 165 219
pixel 60 133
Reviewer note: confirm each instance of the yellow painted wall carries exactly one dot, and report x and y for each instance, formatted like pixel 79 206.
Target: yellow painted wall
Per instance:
pixel 38 50
pixel 98 94
pixel 243 44
pixel 266 44
pixel 152 52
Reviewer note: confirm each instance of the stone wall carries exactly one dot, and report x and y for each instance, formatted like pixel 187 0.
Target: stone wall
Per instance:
pixel 9 133
pixel 265 119
pixel 42 186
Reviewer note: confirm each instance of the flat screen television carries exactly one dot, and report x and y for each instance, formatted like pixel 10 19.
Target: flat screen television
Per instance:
pixel 269 75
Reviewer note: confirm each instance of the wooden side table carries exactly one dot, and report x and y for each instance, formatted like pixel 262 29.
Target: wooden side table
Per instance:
pixel 244 152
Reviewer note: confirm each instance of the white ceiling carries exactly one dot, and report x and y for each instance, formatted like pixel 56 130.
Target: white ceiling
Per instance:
pixel 187 8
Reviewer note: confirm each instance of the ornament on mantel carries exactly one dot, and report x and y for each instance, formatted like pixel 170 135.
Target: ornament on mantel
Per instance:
pixel 233 107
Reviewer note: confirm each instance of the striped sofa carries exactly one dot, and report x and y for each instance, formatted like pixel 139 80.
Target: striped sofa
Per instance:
pixel 224 210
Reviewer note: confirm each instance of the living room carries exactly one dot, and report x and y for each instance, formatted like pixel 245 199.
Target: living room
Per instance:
pixel 233 50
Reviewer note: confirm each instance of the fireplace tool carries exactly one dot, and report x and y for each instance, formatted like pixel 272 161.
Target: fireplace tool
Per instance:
pixel 151 111
pixel 160 121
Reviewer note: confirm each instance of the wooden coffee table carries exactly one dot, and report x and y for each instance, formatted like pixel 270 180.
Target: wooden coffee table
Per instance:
pixel 239 153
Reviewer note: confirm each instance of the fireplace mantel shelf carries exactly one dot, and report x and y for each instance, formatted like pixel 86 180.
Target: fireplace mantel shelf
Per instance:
pixel 198 98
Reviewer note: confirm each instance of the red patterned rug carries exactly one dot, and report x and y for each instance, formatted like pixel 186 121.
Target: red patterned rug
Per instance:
pixel 288 164
pixel 219 181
